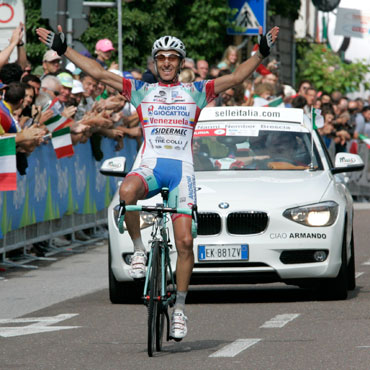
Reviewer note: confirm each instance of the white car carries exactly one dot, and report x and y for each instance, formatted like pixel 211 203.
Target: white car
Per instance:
pixel 272 206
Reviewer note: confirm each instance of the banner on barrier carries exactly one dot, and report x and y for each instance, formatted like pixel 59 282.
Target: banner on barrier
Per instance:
pixel 55 187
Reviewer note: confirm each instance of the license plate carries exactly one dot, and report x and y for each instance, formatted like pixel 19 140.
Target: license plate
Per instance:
pixel 223 252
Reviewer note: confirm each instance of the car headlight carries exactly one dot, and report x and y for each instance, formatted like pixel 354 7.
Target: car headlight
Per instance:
pixel 314 215
pixel 146 218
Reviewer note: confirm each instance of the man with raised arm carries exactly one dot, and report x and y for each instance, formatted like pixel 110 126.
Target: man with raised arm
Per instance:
pixel 168 112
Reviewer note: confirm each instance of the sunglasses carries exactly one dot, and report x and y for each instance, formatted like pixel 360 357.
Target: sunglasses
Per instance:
pixel 56 93
pixel 169 57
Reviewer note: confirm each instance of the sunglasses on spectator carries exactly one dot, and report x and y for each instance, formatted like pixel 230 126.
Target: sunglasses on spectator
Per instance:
pixel 168 56
pixel 55 92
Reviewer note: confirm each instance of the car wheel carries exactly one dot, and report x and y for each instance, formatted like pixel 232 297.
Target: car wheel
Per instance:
pixel 122 292
pixel 336 288
pixel 351 267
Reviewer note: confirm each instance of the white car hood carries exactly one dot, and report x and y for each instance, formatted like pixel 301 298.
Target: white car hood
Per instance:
pixel 260 189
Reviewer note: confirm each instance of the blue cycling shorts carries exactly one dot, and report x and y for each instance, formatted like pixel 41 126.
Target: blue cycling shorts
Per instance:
pixel 176 175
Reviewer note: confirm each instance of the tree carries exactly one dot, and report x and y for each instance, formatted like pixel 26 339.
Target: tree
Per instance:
pixel 200 24
pixel 325 69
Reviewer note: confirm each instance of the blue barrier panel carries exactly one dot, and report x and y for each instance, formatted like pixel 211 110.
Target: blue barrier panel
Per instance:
pixel 55 187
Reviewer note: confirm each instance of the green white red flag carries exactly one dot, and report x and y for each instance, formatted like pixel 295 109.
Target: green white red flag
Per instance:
pixel 276 103
pixel 8 164
pixel 317 118
pixel 62 142
pixel 365 139
pixel 57 122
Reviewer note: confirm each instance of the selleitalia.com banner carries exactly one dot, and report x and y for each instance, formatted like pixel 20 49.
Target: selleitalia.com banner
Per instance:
pixel 54 187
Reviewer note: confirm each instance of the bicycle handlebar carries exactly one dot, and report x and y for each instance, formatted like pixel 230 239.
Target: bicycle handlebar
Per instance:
pixel 184 211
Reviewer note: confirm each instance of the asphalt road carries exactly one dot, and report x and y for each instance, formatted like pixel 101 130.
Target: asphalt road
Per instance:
pixel 59 317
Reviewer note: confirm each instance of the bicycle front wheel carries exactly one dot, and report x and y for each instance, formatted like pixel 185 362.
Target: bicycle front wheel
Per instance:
pixel 154 298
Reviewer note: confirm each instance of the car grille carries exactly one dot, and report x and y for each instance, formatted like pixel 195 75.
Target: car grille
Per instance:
pixel 240 223
pixel 209 223
pixel 246 222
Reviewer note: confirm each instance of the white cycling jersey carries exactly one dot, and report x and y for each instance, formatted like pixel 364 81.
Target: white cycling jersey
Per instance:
pixel 168 115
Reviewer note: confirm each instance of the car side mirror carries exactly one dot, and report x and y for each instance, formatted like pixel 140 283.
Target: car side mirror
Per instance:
pixel 347 162
pixel 114 167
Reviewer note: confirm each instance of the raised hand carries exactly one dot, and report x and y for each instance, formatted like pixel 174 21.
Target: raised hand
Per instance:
pixel 55 41
pixel 267 41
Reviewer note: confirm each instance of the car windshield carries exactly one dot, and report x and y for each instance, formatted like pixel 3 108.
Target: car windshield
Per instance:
pixel 261 150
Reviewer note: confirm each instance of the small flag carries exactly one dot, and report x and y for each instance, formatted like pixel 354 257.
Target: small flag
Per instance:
pixel 317 118
pixel 278 102
pixel 57 122
pixel 62 142
pixel 8 164
pixel 365 139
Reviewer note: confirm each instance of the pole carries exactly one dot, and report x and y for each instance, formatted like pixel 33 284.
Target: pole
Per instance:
pixel 119 11
pixel 62 18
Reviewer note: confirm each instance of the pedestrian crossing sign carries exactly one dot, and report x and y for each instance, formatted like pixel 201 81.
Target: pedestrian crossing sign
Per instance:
pixel 250 15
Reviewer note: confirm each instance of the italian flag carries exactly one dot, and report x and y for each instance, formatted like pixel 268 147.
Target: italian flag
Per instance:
pixel 317 118
pixel 62 142
pixel 365 139
pixel 57 122
pixel 278 102
pixel 8 164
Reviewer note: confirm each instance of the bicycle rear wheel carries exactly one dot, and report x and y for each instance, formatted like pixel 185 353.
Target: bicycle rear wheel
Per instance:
pixel 154 292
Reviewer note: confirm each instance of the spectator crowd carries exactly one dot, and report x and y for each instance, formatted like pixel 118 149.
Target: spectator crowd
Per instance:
pixel 31 97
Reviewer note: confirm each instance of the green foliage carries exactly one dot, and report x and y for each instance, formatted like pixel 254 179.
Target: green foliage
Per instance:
pixel 327 72
pixel 200 24
pixel 35 49
pixel 285 8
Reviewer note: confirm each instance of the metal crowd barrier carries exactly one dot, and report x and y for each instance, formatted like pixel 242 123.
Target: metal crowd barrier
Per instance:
pixel 359 182
pixel 57 198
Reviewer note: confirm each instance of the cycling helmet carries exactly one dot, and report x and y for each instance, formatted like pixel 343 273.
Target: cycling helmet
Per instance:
pixel 169 43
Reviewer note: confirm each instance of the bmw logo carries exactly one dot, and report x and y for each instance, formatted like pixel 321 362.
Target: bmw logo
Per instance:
pixel 224 205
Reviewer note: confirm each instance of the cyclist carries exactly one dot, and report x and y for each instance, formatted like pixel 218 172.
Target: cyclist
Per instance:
pixel 168 112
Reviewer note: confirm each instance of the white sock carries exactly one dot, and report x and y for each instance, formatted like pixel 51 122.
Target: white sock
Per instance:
pixel 180 301
pixel 138 245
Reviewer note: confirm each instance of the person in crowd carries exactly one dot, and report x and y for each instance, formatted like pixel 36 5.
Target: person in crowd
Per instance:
pixel 66 84
pixel 15 42
pixel 187 75
pixel 230 59
pixel 202 68
pixel 149 75
pixel 29 138
pixel 10 72
pixel 50 63
pixel 50 85
pixel 310 96
pixel 33 81
pixel 289 94
pixel 303 86
pixel 103 50
pixel 271 78
pixel 299 101
pixel 189 63
pixel 363 122
pixel 262 94
pixel 136 74
pixel 335 97
pixel 214 71
pixel 89 85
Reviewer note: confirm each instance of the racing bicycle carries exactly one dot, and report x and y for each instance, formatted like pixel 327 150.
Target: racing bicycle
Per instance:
pixel 159 287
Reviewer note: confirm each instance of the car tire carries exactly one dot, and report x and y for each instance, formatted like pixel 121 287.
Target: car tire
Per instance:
pixel 336 288
pixel 351 267
pixel 122 292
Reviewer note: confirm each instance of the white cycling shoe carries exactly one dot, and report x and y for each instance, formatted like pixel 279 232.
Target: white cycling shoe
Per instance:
pixel 138 265
pixel 178 325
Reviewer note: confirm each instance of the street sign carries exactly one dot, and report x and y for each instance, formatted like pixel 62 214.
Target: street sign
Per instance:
pixel 250 15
